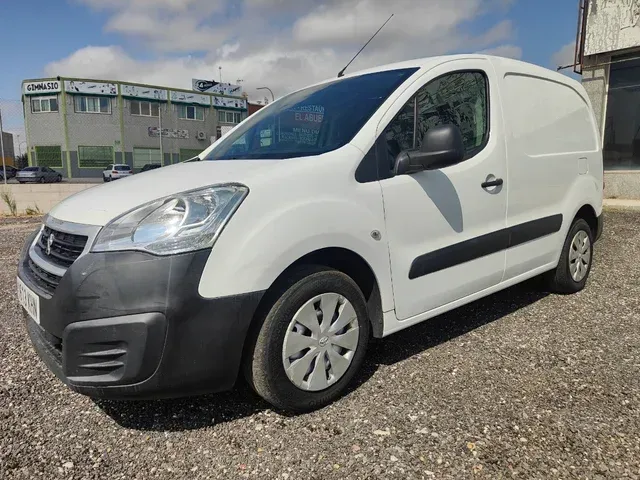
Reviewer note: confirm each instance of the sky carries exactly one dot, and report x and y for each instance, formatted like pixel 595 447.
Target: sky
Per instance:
pixel 282 44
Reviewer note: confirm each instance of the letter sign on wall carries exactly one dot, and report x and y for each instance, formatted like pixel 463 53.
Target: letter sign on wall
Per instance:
pixel 38 88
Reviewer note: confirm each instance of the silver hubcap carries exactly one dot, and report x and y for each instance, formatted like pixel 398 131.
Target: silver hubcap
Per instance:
pixel 579 256
pixel 321 341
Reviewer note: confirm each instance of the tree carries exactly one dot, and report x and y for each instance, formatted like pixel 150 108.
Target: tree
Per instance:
pixel 22 161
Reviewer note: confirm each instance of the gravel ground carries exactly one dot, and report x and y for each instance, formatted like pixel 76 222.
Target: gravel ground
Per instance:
pixel 520 384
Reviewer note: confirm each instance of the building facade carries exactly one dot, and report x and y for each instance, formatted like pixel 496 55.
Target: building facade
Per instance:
pixel 79 126
pixel 609 56
pixel 254 107
pixel 8 150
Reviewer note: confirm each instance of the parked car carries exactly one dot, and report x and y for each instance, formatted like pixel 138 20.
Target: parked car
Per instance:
pixel 150 166
pixel 116 171
pixel 11 171
pixel 38 174
pixel 347 210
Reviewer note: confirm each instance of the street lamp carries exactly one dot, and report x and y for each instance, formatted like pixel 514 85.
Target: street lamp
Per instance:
pixel 273 98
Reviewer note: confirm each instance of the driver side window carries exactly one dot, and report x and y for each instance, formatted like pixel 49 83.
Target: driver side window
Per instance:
pixel 459 98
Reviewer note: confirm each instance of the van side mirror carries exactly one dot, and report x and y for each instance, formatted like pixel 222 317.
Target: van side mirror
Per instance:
pixel 441 147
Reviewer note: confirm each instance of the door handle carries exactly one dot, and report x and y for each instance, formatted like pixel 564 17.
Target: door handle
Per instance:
pixel 492 183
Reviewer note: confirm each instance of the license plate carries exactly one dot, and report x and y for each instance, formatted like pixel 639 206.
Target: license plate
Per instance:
pixel 29 300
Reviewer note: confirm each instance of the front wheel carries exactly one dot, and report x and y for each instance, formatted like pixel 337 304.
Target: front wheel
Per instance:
pixel 311 342
pixel 570 276
pixel 58 178
pixel 42 180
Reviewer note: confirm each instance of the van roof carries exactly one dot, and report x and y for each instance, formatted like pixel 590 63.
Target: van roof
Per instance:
pixel 427 63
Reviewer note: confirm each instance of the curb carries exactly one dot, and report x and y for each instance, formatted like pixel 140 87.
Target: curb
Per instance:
pixel 619 204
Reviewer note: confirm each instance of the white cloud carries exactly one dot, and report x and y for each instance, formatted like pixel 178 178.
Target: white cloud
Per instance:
pixel 509 51
pixel 166 25
pixel 283 44
pixel 564 56
pixel 281 71
pixel 354 21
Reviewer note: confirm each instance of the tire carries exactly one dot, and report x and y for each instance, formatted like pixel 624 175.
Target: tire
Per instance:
pixel 264 362
pixel 58 178
pixel 107 179
pixel 42 180
pixel 561 280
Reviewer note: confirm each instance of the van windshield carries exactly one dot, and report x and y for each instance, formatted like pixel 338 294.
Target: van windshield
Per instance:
pixel 312 121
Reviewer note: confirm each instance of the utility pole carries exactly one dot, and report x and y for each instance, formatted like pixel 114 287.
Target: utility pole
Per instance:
pixel 4 166
pixel 160 131
pixel 220 70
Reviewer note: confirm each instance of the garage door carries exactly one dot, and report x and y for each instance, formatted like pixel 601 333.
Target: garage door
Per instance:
pixel 142 156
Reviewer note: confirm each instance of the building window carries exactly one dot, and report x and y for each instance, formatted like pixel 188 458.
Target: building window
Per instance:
pixel 190 112
pixel 92 104
pixel 225 116
pixel 49 156
pixel 44 104
pixel 621 146
pixel 95 157
pixel 143 156
pixel 187 153
pixel 145 109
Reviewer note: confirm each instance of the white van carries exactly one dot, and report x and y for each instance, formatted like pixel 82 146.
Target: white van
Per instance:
pixel 351 209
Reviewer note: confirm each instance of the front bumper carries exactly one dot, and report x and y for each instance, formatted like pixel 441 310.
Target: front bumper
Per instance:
pixel 130 324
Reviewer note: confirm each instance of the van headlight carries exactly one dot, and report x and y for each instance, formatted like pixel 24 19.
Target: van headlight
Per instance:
pixel 175 224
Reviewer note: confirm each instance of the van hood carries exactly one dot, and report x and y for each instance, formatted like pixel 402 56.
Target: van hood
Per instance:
pixel 101 204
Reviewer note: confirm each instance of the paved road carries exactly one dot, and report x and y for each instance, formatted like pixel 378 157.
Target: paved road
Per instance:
pixel 521 384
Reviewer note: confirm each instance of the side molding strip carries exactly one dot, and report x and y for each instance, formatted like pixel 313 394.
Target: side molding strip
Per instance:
pixel 484 245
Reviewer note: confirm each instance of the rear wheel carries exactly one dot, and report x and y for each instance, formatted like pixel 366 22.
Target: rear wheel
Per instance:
pixel 570 276
pixel 311 342
pixel 42 180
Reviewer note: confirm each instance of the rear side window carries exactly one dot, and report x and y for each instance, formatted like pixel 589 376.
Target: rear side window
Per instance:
pixel 546 117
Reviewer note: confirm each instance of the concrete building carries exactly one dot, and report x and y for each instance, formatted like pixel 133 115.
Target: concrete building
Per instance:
pixel 7 144
pixel 79 126
pixel 254 107
pixel 608 56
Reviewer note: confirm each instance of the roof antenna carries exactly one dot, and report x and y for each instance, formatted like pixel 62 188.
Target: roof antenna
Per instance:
pixel 341 73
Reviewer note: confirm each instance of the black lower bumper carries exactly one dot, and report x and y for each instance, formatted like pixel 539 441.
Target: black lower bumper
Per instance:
pixel 130 324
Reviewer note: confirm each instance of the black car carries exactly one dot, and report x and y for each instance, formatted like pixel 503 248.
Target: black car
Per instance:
pixel 150 166
pixel 11 171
